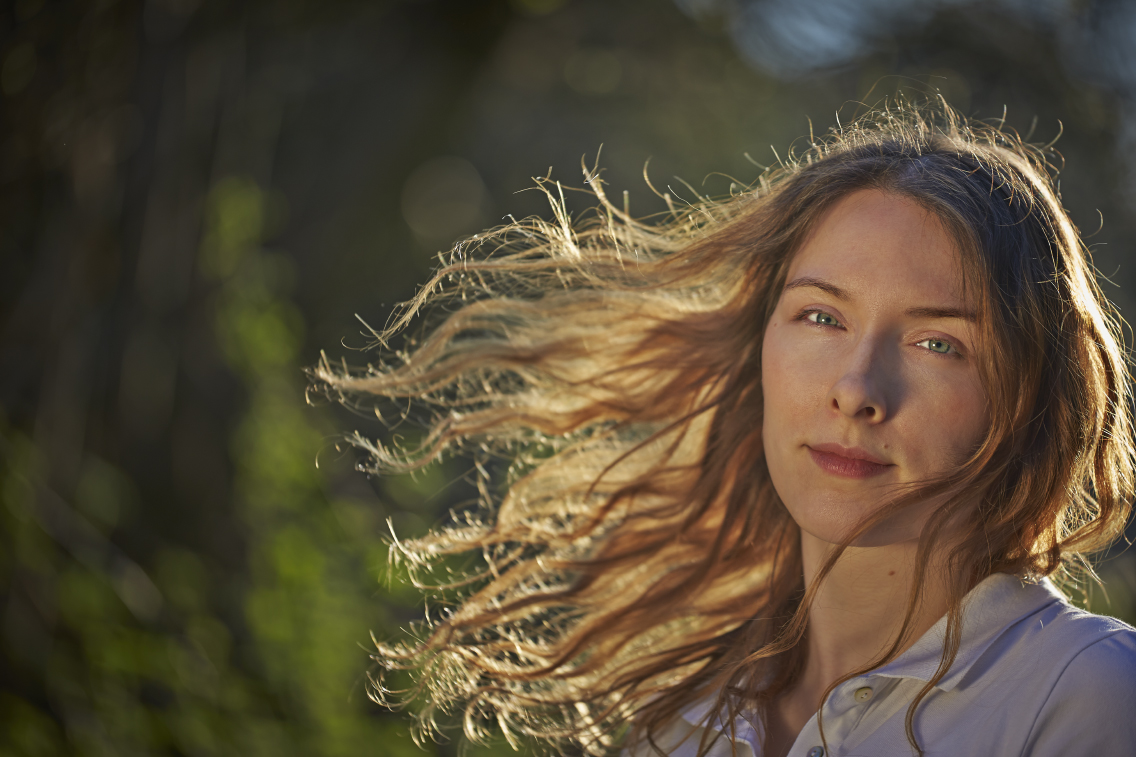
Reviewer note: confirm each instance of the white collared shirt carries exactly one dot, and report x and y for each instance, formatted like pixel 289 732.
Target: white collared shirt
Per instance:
pixel 1034 677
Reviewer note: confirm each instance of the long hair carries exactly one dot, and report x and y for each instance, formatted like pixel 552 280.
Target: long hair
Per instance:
pixel 635 557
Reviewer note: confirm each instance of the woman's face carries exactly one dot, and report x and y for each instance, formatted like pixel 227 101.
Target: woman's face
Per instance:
pixel 868 372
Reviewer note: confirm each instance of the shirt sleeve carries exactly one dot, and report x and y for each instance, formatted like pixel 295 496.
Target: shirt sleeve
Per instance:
pixel 1092 708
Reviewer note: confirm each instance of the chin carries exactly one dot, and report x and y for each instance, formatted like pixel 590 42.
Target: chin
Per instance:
pixel 834 521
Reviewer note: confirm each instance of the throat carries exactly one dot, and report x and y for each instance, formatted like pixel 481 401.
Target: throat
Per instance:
pixel 856 623
pixel 858 611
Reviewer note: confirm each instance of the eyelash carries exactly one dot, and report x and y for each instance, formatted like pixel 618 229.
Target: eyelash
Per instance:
pixel 805 315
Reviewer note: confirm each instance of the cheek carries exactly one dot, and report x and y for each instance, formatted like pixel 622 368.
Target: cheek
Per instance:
pixel 952 423
pixel 788 391
pixel 793 380
pixel 972 420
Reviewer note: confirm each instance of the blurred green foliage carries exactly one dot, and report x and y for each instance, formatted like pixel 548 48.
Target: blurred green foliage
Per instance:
pixel 139 662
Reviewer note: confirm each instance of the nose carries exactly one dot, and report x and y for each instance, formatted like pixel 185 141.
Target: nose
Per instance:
pixel 860 390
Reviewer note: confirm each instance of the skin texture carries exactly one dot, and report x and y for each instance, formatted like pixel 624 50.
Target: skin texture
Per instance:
pixel 868 354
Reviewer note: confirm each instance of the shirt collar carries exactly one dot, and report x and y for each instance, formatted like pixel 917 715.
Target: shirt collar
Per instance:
pixel 989 610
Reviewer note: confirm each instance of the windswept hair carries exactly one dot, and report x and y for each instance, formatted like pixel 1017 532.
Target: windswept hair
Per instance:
pixel 636 558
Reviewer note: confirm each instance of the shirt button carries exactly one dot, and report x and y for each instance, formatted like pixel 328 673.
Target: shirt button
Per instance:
pixel 862 694
pixel 816 751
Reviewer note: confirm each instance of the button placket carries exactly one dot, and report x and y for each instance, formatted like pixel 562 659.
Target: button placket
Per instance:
pixel 856 695
pixel 842 713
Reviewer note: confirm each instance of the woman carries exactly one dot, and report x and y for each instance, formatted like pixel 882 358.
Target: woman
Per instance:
pixel 787 473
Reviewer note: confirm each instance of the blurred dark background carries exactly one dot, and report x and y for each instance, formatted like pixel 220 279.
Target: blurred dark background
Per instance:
pixel 197 196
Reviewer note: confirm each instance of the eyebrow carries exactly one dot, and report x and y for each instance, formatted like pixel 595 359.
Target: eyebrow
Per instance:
pixel 932 313
pixel 916 312
pixel 821 284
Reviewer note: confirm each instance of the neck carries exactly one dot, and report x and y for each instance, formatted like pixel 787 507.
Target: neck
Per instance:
pixel 858 611
pixel 855 618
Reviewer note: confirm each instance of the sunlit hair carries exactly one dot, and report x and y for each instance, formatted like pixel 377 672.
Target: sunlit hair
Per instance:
pixel 635 558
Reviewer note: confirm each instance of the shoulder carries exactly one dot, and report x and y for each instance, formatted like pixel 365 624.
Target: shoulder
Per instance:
pixel 1044 624
pixel 1074 620
pixel 1011 623
pixel 1089 708
pixel 1107 660
pixel 1080 647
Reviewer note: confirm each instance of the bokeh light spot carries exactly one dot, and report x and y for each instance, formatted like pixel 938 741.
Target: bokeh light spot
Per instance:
pixel 443 199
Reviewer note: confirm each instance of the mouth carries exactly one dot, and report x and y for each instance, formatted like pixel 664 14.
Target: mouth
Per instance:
pixel 847 462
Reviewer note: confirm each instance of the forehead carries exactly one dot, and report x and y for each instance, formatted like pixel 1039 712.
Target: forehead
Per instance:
pixel 883 246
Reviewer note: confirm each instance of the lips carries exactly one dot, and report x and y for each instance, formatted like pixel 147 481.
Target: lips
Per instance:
pixel 847 462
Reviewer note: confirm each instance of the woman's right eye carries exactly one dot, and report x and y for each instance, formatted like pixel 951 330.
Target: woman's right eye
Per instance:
pixel 821 318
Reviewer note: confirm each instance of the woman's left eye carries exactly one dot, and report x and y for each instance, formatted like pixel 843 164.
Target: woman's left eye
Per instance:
pixel 937 345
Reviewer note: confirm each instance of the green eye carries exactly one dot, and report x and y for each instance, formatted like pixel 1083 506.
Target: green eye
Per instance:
pixel 937 345
pixel 824 319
